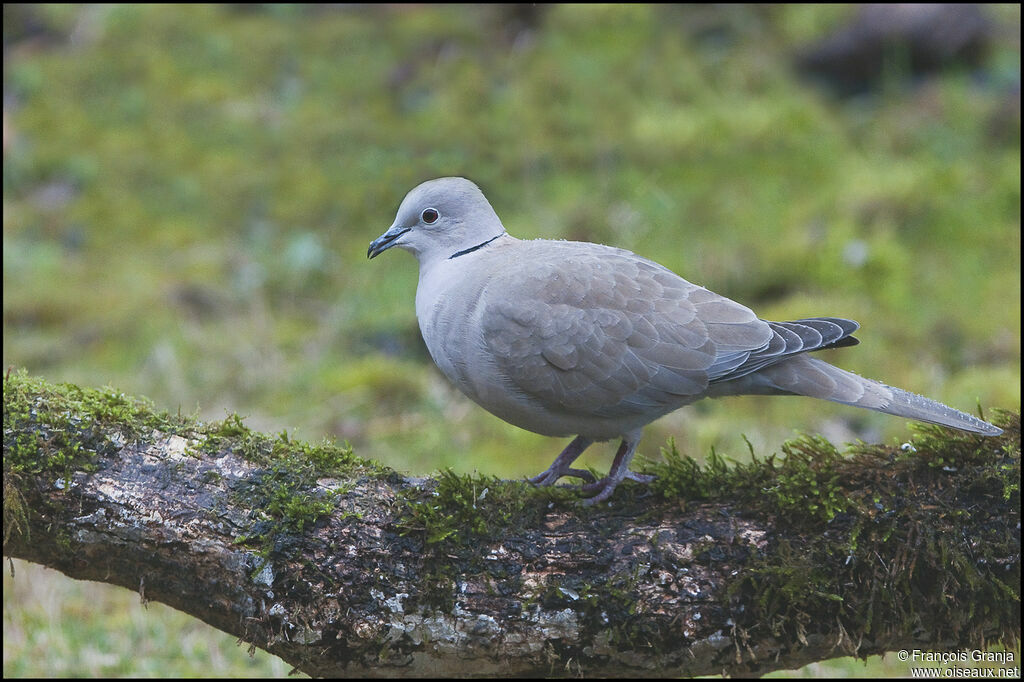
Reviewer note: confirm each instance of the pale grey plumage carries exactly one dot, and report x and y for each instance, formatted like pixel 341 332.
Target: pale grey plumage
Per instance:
pixel 572 338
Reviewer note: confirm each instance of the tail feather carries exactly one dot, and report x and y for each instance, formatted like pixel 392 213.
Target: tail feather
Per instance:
pixel 815 378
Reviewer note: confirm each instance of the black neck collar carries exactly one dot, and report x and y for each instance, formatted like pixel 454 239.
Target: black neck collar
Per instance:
pixel 474 248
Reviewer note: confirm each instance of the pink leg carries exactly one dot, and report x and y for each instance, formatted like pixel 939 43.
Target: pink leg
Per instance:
pixel 618 473
pixel 561 466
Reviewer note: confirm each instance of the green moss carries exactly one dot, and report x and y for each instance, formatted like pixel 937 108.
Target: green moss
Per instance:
pixel 894 552
pixel 437 587
pixel 880 534
pixel 789 585
pixel 15 509
pixel 856 507
pixel 681 476
pixel 231 427
pixel 801 485
pixel 807 481
pixel 462 507
pixel 285 490
pixel 612 601
pixel 59 428
pixel 62 429
pixel 455 516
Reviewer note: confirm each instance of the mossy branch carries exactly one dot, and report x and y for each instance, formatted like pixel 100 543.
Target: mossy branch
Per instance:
pixel 342 567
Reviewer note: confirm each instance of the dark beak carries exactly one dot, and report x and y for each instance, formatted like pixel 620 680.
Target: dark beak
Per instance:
pixel 386 240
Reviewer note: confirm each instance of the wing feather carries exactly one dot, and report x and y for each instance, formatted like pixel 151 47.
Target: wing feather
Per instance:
pixel 598 330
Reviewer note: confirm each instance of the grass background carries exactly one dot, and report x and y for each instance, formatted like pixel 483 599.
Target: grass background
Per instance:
pixel 189 192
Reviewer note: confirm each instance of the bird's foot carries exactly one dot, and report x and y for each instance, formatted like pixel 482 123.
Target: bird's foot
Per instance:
pixel 551 475
pixel 604 488
pixel 562 466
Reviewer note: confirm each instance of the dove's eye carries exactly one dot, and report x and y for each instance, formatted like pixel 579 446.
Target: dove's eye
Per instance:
pixel 430 215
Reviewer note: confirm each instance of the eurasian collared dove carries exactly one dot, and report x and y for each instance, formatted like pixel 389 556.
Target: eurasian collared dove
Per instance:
pixel 571 338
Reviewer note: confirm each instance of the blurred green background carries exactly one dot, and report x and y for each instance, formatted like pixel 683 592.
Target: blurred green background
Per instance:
pixel 189 192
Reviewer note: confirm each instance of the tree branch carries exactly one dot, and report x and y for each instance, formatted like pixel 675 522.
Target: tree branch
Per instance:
pixel 342 567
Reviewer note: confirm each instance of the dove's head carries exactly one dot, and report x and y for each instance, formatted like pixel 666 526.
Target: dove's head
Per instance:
pixel 440 219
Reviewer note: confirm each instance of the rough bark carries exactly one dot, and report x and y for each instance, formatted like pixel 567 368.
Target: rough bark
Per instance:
pixel 470 576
